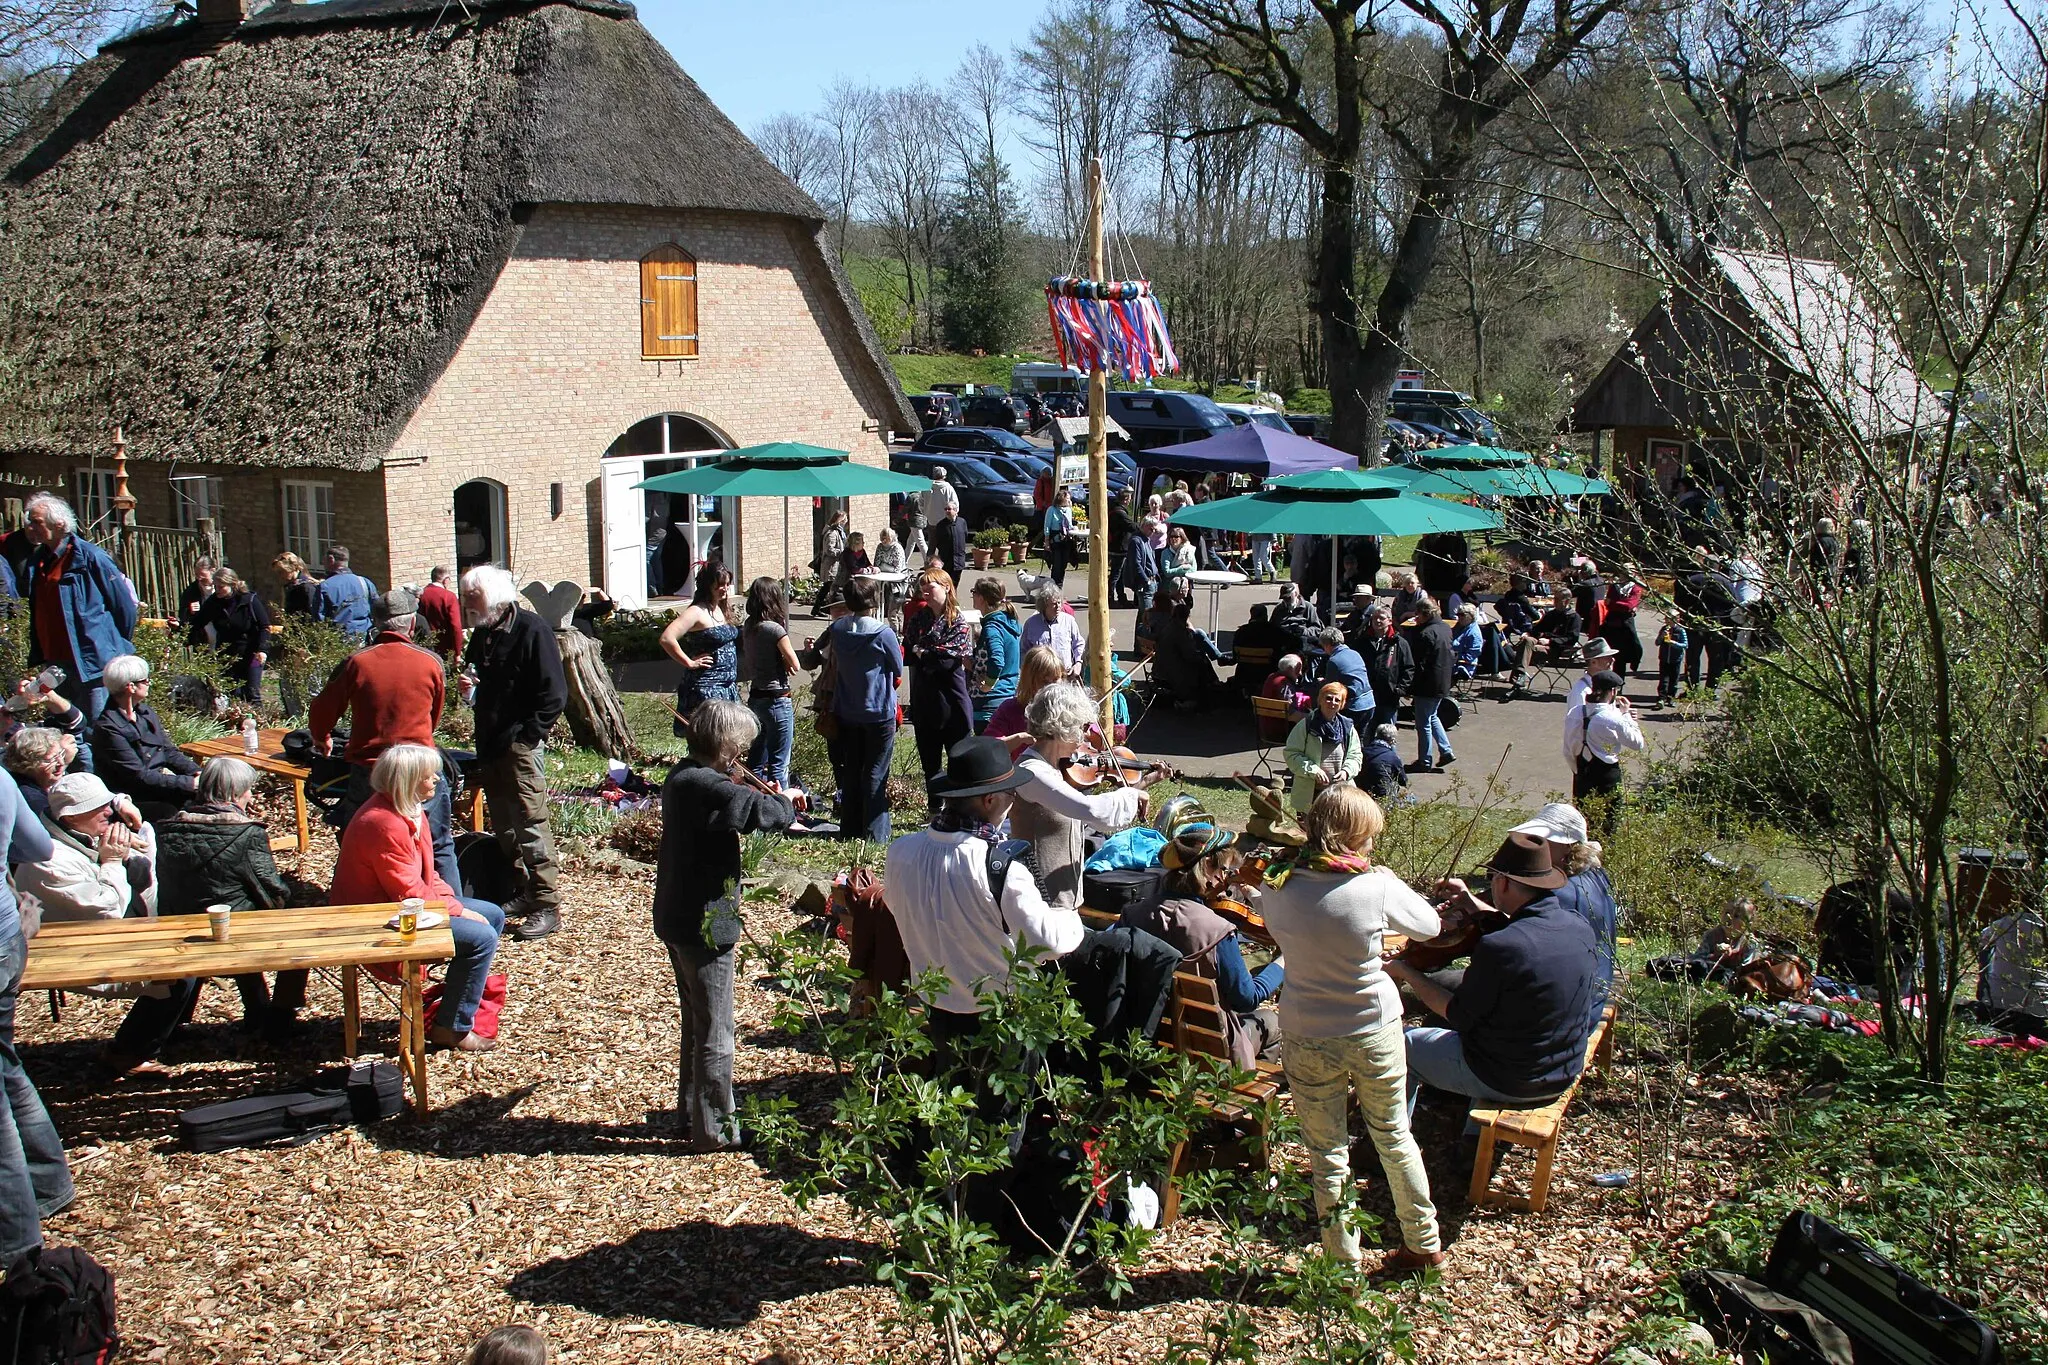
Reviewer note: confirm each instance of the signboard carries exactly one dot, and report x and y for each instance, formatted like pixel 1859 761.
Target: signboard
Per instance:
pixel 1072 468
pixel 1074 430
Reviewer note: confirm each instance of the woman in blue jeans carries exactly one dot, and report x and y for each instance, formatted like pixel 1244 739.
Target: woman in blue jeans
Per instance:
pixel 387 855
pixel 864 661
pixel 767 660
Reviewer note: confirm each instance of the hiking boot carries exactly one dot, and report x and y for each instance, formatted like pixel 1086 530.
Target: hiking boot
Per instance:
pixel 1402 1263
pixel 519 907
pixel 538 924
pixel 459 1042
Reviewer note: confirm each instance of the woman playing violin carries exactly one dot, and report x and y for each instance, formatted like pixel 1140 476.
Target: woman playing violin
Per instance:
pixel 1193 915
pixel 1050 811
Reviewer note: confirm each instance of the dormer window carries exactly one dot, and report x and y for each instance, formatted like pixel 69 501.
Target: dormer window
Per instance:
pixel 668 304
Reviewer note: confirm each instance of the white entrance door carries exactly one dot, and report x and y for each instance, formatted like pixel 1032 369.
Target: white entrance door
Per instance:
pixel 625 531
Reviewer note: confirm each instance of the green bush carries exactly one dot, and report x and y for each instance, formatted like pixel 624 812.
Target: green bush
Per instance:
pixel 303 655
pixel 994 538
pixel 1020 534
pixel 628 636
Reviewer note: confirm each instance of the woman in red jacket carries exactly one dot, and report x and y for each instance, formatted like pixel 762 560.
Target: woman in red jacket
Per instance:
pixel 387 855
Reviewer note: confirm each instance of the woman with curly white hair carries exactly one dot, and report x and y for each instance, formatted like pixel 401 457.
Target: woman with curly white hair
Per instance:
pixel 1050 811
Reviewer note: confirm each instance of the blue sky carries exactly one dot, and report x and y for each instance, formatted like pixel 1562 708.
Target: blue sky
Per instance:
pixel 759 58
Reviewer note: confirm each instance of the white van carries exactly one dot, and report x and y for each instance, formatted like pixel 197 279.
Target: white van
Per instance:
pixel 1035 376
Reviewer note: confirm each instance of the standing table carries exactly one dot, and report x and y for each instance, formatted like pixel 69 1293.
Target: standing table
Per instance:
pixel 66 956
pixel 888 582
pixel 268 758
pixel 1215 580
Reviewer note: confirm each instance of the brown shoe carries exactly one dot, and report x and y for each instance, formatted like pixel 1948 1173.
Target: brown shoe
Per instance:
pixel 459 1042
pixel 1402 1263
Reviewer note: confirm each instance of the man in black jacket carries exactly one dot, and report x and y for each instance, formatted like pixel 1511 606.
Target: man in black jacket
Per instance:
pixel 513 680
pixel 1435 672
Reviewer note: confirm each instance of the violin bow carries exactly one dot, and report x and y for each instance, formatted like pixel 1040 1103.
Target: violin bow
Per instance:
pixel 1472 825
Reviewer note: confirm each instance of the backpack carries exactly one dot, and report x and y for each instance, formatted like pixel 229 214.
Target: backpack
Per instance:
pixel 59 1311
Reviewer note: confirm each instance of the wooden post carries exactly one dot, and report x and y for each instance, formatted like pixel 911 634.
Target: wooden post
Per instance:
pixel 1101 651
pixel 124 505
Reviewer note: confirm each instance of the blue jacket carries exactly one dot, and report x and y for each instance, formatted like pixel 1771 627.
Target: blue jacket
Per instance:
pixel 99 609
pixel 344 598
pixel 868 659
pixel 1346 665
pixel 997 655
pixel 26 842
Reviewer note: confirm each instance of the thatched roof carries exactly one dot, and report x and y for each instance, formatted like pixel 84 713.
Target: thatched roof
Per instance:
pixel 262 246
pixel 1746 348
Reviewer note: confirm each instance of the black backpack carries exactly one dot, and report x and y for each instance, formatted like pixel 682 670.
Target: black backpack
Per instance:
pixel 59 1311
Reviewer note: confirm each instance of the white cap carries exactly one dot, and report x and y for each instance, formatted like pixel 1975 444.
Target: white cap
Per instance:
pixel 78 794
pixel 1558 822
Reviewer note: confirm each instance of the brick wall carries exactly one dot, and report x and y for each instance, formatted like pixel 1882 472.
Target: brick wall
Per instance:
pixel 550 375
pixel 251 522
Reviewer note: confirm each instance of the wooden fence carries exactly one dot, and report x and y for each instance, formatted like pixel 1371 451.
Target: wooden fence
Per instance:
pixel 158 561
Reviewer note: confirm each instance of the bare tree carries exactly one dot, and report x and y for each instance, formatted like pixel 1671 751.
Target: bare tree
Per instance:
pixel 801 150
pixel 1482 60
pixel 41 40
pixel 848 120
pixel 1082 86
pixel 908 179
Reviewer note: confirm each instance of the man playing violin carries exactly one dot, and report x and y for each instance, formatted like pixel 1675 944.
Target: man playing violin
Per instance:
pixel 1520 1016
pixel 1051 812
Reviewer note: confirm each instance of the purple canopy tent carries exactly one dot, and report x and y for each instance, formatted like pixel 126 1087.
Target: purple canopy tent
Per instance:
pixel 1249 449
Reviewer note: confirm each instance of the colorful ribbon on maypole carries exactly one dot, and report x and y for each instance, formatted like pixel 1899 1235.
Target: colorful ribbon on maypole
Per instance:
pixel 1113 325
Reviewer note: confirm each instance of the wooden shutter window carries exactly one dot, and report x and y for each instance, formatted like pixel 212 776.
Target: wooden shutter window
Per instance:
pixel 668 303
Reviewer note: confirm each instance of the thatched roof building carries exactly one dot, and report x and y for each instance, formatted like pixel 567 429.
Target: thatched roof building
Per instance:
pixel 266 242
pixel 1737 360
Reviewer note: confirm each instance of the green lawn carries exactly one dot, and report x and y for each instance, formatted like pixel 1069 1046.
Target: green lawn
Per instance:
pixel 917 373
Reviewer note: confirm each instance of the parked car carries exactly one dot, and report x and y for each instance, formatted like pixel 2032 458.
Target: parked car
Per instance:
pixel 1309 424
pixel 1162 417
pixel 986 498
pixel 994 408
pixel 935 409
pixel 1241 414
pixel 1445 408
pixel 970 439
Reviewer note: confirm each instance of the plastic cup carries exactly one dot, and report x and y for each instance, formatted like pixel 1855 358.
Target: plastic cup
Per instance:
pixel 217 922
pixel 409 916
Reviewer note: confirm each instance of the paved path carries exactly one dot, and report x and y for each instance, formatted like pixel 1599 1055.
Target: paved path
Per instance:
pixel 1220 741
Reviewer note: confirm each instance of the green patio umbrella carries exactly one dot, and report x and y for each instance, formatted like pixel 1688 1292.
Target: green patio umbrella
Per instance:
pixel 783 469
pixel 1507 481
pixel 1336 502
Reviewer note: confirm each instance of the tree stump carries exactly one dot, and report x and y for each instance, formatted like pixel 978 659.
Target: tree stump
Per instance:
pixel 596 717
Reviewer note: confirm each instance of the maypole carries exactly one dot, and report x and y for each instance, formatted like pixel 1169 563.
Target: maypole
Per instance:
pixel 1101 648
pixel 1098 325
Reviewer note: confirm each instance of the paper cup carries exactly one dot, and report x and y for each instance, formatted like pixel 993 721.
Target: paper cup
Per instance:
pixel 217 922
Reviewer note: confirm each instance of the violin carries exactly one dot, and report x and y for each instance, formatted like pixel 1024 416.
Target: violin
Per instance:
pixel 1461 933
pixel 1248 920
pixel 1114 764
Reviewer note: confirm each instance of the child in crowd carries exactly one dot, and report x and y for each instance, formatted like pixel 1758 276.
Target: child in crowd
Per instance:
pixel 1671 643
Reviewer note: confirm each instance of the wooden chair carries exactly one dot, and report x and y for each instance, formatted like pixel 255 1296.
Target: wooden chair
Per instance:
pixel 1254 664
pixel 1195 1028
pixel 1270 715
pixel 1539 1129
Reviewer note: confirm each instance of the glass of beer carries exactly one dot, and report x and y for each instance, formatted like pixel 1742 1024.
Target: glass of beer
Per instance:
pixel 409 916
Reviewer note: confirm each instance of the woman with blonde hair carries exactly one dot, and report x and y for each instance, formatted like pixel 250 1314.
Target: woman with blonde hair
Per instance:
pixel 1050 811
pixel 938 649
pixel 1329 910
pixel 387 854
pixel 1039 669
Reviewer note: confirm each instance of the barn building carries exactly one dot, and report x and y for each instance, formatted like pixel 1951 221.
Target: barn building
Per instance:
pixel 439 281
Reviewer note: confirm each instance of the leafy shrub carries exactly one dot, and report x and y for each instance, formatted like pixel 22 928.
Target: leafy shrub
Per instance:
pixel 993 538
pixel 1020 534
pixel 303 655
pixel 628 636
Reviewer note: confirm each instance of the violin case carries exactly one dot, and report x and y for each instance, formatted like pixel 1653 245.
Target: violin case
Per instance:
pixel 1119 889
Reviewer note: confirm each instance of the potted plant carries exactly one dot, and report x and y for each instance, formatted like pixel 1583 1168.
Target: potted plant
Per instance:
pixel 1020 542
pixel 983 547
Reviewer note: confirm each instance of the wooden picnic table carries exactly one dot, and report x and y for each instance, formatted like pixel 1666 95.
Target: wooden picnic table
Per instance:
pixel 70 955
pixel 268 758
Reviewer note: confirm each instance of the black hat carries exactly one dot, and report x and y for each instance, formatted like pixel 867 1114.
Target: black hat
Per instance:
pixel 977 766
pixel 1525 858
pixel 1606 680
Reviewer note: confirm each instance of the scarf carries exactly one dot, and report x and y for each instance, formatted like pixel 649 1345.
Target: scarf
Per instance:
pixel 1349 863
pixel 1331 730
pixel 945 822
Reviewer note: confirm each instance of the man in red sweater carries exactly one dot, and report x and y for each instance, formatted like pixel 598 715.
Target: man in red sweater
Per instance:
pixel 392 692
pixel 440 613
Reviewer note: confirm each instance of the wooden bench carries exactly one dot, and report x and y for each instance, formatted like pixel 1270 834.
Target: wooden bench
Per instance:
pixel 1539 1129
pixel 1195 1028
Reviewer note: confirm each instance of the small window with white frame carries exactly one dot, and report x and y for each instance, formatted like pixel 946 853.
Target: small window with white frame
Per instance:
pixel 92 497
pixel 195 497
pixel 308 519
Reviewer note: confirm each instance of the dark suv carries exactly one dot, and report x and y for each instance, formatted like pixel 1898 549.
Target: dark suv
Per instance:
pixel 993 408
pixel 1164 417
pixel 1446 409
pixel 935 409
pixel 986 498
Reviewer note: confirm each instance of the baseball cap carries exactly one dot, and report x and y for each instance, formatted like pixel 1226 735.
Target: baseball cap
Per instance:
pixel 78 794
pixel 1560 822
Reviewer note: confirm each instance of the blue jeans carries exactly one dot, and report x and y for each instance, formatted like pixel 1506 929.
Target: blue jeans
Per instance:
pixel 35 1182
pixel 769 758
pixel 91 698
pixel 1436 1058
pixel 861 760
pixel 476 943
pixel 1429 729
